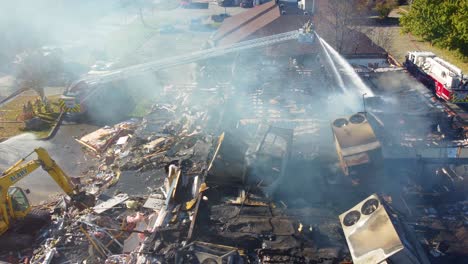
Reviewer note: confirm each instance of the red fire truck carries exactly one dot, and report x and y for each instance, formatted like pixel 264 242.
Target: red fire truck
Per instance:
pixel 445 79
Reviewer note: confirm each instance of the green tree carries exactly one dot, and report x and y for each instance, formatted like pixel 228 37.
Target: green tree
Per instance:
pixel 460 26
pixel 420 19
pixel 443 23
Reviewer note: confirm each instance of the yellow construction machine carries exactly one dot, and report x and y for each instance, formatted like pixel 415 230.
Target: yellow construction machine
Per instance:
pixel 17 219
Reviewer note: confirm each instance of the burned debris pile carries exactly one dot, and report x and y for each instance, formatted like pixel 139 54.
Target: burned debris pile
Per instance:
pixel 173 187
pixel 198 181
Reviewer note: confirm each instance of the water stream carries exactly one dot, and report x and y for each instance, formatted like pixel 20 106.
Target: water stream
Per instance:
pixel 330 62
pixel 344 72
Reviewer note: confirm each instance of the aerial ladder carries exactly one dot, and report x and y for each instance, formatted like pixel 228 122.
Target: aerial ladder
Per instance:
pixel 83 89
pixel 15 209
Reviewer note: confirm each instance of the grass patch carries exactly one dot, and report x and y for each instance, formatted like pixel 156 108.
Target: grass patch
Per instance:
pixel 142 107
pixel 13 109
pixel 404 8
pixel 8 130
pixel 10 125
pixel 402 43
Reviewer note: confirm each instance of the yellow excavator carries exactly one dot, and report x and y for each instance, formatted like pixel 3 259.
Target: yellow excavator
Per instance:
pixel 17 219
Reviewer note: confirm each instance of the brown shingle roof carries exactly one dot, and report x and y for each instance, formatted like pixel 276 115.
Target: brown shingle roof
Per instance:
pixel 234 23
pixel 261 21
pixel 251 27
pixel 267 20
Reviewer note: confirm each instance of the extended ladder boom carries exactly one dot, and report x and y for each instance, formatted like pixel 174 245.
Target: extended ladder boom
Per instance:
pixel 130 71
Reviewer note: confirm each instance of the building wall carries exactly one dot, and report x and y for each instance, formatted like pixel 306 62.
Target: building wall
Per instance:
pixel 369 62
pixel 307 5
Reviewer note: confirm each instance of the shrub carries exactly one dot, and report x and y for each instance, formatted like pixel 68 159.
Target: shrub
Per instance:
pixel 384 7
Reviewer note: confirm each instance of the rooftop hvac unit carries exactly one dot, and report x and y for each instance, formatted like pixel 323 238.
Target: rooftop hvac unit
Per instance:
pixel 207 253
pixel 340 122
pixel 375 236
pixel 357 118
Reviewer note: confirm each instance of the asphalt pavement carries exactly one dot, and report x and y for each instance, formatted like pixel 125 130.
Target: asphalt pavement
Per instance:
pixel 62 148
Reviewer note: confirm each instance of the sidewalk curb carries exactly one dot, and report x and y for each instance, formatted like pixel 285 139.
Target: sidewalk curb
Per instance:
pixel 54 129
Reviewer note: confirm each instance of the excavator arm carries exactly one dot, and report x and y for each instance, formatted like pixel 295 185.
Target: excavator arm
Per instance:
pixel 59 176
pixel 20 170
